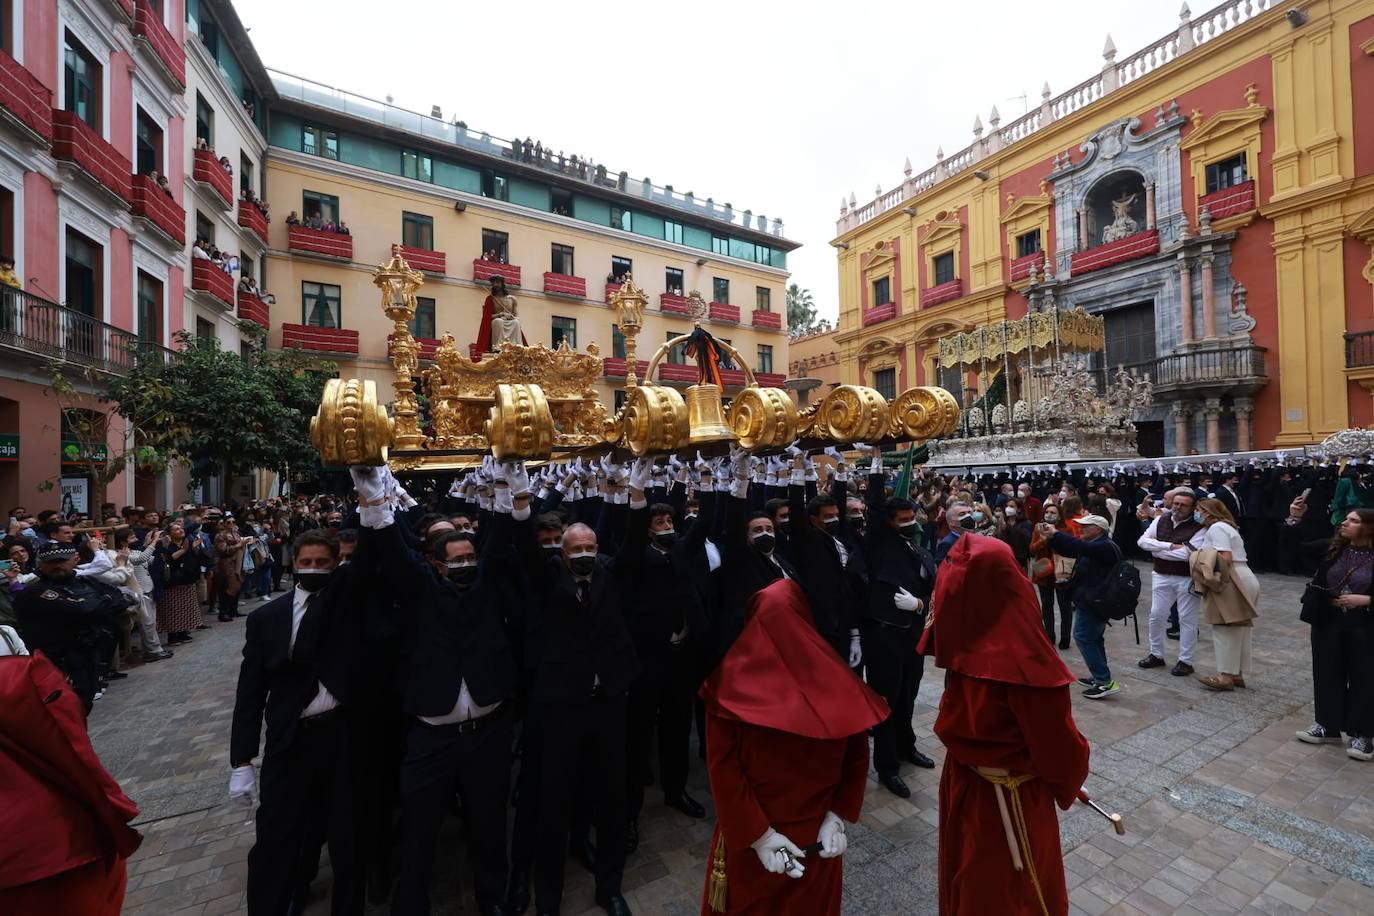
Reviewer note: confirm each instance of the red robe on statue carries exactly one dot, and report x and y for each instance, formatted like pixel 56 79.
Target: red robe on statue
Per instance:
pixel 483 344
pixel 786 742
pixel 1006 710
pixel 63 817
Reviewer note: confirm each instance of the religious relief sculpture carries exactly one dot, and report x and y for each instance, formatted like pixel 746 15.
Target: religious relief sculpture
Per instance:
pixel 500 323
pixel 1123 225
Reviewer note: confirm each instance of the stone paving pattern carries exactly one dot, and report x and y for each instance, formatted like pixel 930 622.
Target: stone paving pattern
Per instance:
pixel 1225 811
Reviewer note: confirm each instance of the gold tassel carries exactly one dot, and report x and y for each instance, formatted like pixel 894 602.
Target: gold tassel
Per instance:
pixel 716 895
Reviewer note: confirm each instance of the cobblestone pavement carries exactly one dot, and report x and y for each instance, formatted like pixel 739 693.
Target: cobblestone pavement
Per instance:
pixel 1225 811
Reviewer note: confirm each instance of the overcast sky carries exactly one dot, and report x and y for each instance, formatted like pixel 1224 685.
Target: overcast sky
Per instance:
pixel 783 108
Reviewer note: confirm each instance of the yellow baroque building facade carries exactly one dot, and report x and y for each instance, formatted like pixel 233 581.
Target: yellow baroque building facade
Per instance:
pixel 465 206
pixel 1210 197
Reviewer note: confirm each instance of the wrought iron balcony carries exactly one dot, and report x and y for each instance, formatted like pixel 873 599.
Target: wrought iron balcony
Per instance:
pixel 48 331
pixel 1208 371
pixel 1359 350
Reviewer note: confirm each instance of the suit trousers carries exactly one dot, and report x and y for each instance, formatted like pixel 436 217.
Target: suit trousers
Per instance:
pixel 526 827
pixel 662 697
pixel 894 671
pixel 584 750
pixel 1165 591
pixel 1343 673
pixel 440 759
pixel 307 783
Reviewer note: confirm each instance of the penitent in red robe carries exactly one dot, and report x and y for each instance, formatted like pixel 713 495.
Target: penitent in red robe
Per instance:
pixel 786 742
pixel 64 817
pixel 1006 706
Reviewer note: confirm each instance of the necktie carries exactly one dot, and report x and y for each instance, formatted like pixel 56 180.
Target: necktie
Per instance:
pixel 308 634
pixel 583 588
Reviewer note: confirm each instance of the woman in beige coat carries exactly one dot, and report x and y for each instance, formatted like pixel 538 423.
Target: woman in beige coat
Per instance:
pixel 1230 594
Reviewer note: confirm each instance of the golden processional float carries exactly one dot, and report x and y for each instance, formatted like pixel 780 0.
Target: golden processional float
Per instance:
pixel 1042 399
pixel 538 404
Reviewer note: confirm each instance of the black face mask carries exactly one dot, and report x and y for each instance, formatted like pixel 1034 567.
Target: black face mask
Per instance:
pixel 462 576
pixel 832 526
pixel 665 539
pixel 856 522
pixel 312 580
pixel 583 564
pixel 334 524
pixel 967 523
pixel 907 530
pixel 552 550
pixel 763 543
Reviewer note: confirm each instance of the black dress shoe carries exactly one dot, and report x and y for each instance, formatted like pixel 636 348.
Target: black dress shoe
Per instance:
pixel 1181 669
pixel 921 760
pixel 115 675
pixel 631 836
pixel 1150 661
pixel 518 891
pixel 224 618
pixel 613 904
pixel 1063 643
pixel 896 785
pixel 1172 633
pixel 686 804
pixel 585 852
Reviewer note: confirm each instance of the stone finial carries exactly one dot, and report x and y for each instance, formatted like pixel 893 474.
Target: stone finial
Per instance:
pixel 1252 96
pixel 1185 14
pixel 1109 49
pixel 1045 91
pixel 939 154
pixel 977 126
pixel 1184 232
pixel 853 202
pixel 1204 222
pixel 844 206
pixel 877 190
pixel 1173 109
pixel 1159 114
pixel 906 167
pixel 994 118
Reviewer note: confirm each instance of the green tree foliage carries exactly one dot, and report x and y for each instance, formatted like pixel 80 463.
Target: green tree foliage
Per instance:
pixel 801 310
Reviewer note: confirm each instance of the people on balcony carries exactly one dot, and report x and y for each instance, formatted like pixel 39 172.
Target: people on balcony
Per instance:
pixel 292 219
pixel 202 144
pixel 247 195
pixel 224 164
pixel 7 274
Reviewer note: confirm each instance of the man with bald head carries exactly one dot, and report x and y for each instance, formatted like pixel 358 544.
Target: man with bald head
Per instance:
pixel 586 664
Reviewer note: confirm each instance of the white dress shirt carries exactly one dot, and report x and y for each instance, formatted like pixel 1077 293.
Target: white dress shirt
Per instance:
pixel 463 710
pixel 324 700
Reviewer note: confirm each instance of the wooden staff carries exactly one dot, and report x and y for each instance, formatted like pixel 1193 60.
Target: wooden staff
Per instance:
pixel 1117 824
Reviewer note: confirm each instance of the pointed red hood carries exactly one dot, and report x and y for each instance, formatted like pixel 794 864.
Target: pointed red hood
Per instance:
pixel 985 619
pixel 781 674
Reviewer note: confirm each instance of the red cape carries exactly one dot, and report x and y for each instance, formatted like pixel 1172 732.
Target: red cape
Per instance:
pixel 985 620
pixel 53 791
pixel 484 329
pixel 781 674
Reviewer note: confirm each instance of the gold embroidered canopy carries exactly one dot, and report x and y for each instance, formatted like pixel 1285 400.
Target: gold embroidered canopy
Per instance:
pixel 1067 331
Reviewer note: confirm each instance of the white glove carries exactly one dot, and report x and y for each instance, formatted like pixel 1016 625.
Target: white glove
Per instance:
pixel 877 467
pixel 770 847
pixel 639 474
pixel 518 478
pixel 856 654
pixel 832 839
pixel 369 482
pixel 243 783
pixel 792 450
pixel 905 600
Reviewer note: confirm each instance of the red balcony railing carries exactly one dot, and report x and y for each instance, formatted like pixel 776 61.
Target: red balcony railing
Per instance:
pixel 24 98
pixel 74 140
pixel 941 293
pixel 1135 246
pixel 125 6
pixel 770 379
pixel 321 242
pixel 673 304
pixel 1021 267
pixel 485 270
pixel 769 320
pixel 677 372
pixel 611 290
pixel 885 312
pixel 614 367
pixel 724 311
pixel 251 308
pixel 431 262
pixel 427 346
pixel 323 340
pixel 208 278
pixel 157 206
pixel 148 26
pixel 564 285
pixel 250 217
pixel 210 173
pixel 1229 201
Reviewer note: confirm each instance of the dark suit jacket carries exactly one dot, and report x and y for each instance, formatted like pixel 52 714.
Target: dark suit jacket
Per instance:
pixel 828 587
pixel 662 596
pixel 458 634
pixel 743 572
pixel 275 687
pixel 894 562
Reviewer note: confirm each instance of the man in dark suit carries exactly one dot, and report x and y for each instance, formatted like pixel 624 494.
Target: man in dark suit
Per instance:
pixel 749 558
pixel 296 675
pixel 901 579
pixel 587 663
pixel 461 675
pixel 665 620
pixel 817 530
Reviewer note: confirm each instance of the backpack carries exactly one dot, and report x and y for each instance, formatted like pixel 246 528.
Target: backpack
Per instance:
pixel 1115 598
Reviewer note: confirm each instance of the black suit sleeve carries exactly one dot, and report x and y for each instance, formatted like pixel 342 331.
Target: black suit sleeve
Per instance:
pixel 250 699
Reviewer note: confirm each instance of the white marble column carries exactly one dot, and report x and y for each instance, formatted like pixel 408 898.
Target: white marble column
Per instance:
pixel 1209 300
pixel 1150 205
pixel 1185 300
pixel 1243 408
pixel 1212 413
pixel 1083 230
pixel 1182 414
